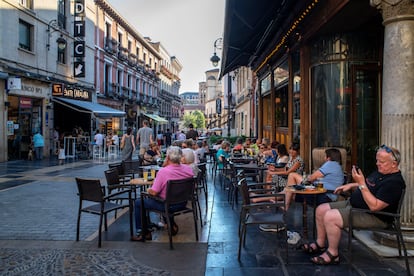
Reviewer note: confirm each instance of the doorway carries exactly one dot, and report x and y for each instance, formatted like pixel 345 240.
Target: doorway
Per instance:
pixel 365 116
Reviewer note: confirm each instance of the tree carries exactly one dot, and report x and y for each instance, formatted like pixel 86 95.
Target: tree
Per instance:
pixel 196 118
pixel 200 120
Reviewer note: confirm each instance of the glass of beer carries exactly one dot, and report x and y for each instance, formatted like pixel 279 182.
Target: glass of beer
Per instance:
pixel 152 173
pixel 145 173
pixel 319 185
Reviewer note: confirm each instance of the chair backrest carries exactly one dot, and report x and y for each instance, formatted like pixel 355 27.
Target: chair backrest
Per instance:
pixel 131 166
pixel 181 190
pixel 90 189
pixel 203 168
pixel 318 157
pixel 244 191
pixel 401 201
pixel 118 167
pixel 112 177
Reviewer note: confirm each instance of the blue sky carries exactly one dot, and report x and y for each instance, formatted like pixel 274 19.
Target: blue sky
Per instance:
pixel 186 28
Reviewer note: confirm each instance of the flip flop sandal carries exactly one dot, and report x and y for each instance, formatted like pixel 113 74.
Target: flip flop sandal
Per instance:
pixel 308 248
pixel 333 260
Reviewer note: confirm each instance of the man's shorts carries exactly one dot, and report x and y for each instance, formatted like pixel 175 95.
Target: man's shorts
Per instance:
pixel 360 220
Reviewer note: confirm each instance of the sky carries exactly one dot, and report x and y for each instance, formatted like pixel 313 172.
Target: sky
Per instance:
pixel 186 28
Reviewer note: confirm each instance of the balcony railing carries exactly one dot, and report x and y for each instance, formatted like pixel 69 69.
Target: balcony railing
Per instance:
pixel 123 53
pixel 111 45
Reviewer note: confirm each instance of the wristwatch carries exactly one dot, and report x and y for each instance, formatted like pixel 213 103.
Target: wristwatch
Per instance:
pixel 361 187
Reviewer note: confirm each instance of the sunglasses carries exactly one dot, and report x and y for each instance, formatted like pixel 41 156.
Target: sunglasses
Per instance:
pixel 389 150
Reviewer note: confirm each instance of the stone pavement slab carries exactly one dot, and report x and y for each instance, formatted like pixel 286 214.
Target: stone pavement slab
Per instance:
pixel 114 258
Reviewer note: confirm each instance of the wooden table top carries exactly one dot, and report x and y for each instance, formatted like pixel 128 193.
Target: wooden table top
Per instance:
pixel 141 181
pixel 307 191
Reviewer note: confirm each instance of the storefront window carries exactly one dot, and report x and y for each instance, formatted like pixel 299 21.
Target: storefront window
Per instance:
pixel 345 94
pixel 330 105
pixel 281 106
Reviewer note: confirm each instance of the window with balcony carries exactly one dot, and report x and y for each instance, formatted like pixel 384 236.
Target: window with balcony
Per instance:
pixel 25 35
pixel 120 39
pixel 107 80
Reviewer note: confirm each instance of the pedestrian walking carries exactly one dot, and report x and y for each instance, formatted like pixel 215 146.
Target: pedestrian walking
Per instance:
pixel 127 145
pixel 144 137
pixel 38 143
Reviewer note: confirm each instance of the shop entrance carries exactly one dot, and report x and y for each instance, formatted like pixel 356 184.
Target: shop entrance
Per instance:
pixel 24 119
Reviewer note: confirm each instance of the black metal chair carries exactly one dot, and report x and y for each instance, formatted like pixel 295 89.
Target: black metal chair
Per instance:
pixel 132 167
pixel 394 228
pixel 202 182
pixel 261 212
pixel 123 177
pixel 178 192
pixel 91 190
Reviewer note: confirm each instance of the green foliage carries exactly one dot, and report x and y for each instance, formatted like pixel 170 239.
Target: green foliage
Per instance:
pixel 196 118
pixel 200 120
pixel 188 119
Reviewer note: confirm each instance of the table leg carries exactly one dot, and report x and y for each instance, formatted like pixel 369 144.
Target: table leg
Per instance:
pixel 305 218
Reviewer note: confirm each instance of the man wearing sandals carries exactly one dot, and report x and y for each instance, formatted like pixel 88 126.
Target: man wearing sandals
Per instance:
pixel 172 170
pixel 381 190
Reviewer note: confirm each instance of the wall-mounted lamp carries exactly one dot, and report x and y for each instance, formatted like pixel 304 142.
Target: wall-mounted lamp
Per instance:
pixel 61 42
pixel 217 46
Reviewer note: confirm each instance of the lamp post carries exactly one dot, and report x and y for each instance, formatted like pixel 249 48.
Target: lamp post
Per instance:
pixel 217 46
pixel 61 42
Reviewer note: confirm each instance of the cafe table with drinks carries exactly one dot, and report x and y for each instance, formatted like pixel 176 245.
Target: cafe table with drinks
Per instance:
pixel 313 190
pixel 148 175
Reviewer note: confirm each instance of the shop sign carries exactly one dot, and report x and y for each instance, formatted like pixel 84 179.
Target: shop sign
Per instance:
pixel 75 93
pixel 79 33
pixel 29 89
pixel 25 103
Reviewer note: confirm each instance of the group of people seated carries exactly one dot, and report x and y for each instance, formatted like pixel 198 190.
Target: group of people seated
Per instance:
pixel 380 191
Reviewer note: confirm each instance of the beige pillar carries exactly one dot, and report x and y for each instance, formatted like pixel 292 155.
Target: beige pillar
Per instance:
pixel 397 127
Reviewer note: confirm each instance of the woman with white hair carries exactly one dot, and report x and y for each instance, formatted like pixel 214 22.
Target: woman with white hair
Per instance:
pixel 189 159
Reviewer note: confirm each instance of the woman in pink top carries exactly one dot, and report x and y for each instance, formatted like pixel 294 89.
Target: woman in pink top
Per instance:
pixel 172 170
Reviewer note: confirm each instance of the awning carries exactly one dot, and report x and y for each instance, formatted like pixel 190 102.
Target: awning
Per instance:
pixel 98 110
pixel 157 118
pixel 250 26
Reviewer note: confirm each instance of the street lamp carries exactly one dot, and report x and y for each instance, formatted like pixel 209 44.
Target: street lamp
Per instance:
pixel 61 42
pixel 217 46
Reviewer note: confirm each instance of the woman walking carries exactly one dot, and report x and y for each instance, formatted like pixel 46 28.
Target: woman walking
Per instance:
pixel 127 145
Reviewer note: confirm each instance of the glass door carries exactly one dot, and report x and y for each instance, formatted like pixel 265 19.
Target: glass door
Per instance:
pixel 366 116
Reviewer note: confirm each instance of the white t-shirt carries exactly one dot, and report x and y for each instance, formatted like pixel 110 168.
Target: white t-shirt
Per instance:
pixel 115 139
pixel 99 139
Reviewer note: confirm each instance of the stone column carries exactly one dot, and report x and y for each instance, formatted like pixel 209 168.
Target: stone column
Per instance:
pixel 397 127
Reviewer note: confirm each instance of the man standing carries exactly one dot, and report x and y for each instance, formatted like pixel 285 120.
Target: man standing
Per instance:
pixel 191 134
pixel 99 140
pixel 144 137
pixel 167 138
